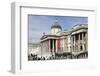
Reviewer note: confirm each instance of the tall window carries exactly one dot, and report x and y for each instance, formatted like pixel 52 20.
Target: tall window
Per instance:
pixel 80 36
pixel 81 48
pixel 76 37
pixel 84 34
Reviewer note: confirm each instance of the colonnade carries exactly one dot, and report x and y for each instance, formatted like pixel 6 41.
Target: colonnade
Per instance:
pixel 79 42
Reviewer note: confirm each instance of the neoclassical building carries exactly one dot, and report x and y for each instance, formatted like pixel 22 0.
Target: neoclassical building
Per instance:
pixel 73 41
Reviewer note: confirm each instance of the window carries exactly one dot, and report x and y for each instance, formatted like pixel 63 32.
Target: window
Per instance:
pixel 76 36
pixel 84 34
pixel 80 36
pixel 81 47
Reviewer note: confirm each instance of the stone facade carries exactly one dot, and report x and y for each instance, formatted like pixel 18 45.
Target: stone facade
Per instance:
pixel 72 43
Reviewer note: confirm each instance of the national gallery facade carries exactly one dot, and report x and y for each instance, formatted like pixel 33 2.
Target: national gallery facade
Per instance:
pixel 67 44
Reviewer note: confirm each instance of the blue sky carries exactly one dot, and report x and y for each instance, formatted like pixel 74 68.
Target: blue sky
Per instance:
pixel 38 24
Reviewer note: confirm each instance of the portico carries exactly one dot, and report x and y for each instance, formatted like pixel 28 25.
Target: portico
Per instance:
pixel 79 41
pixel 51 45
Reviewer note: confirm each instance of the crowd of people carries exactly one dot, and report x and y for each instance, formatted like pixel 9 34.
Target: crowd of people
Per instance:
pixel 58 56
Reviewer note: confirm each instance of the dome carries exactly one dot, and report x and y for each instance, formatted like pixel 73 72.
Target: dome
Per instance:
pixel 56 25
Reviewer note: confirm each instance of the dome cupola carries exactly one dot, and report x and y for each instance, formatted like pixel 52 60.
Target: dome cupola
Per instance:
pixel 55 28
pixel 56 25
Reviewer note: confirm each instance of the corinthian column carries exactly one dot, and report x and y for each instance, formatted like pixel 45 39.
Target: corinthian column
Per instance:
pixel 83 41
pixel 56 46
pixel 74 39
pixel 79 43
pixel 53 46
pixel 49 45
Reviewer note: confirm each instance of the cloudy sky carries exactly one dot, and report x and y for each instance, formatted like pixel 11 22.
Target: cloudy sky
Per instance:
pixel 38 24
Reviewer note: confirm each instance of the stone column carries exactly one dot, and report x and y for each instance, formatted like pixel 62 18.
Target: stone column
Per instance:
pixel 74 39
pixel 53 46
pixel 69 43
pixel 56 46
pixel 82 36
pixel 41 48
pixel 63 45
pixel 83 41
pixel 74 43
pixel 79 43
pixel 49 45
pixel 86 39
pixel 45 47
